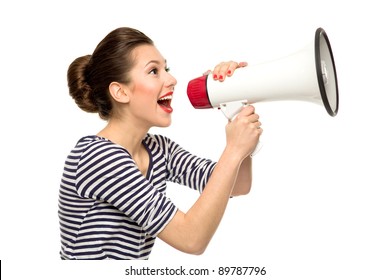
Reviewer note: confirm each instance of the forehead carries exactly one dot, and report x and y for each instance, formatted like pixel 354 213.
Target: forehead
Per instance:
pixel 145 54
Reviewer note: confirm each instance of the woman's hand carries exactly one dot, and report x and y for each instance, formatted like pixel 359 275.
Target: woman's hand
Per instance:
pixel 224 69
pixel 243 132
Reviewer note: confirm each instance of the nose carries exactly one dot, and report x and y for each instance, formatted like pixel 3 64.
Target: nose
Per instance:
pixel 171 81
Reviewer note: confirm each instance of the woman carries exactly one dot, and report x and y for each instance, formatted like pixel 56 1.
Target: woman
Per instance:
pixel 112 202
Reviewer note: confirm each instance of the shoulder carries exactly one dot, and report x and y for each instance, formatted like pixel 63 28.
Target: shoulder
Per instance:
pixel 163 142
pixel 94 140
pixel 149 137
pixel 94 145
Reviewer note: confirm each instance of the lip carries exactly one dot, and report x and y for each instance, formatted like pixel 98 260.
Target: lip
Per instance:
pixel 166 106
pixel 167 94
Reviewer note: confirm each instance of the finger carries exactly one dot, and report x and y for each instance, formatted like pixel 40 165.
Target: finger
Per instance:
pixel 233 66
pixel 254 118
pixel 224 69
pixel 216 71
pixel 206 73
pixel 242 64
pixel 256 126
pixel 221 70
pixel 247 110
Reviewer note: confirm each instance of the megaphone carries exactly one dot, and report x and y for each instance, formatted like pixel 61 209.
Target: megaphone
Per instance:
pixel 309 74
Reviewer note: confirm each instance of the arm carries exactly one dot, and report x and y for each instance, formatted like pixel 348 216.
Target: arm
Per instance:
pixel 192 231
pixel 244 178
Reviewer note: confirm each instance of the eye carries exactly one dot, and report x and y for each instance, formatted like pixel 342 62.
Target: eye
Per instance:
pixel 154 71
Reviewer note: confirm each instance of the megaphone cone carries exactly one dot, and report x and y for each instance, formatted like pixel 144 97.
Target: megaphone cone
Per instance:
pixel 306 75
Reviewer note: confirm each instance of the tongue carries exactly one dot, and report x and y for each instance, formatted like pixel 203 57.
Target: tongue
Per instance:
pixel 166 106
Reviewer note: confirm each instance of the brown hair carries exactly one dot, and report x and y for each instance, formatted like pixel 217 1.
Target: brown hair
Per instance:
pixel 89 76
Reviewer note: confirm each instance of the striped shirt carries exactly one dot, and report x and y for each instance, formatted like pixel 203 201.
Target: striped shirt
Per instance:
pixel 108 209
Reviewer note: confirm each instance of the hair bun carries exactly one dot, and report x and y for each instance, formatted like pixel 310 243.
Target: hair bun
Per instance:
pixel 79 88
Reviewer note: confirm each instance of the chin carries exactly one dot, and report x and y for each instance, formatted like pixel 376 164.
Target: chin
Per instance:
pixel 164 124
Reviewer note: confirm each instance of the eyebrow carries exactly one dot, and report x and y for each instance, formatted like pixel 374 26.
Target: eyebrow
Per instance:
pixel 155 61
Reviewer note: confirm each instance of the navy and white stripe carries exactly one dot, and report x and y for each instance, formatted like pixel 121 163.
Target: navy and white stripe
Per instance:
pixel 108 209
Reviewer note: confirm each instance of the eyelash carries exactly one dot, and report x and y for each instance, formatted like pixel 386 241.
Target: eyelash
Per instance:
pixel 155 70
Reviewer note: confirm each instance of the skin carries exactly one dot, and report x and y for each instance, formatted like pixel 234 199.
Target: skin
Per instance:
pixel 136 110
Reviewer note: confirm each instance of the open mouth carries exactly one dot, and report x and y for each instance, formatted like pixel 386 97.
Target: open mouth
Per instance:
pixel 165 102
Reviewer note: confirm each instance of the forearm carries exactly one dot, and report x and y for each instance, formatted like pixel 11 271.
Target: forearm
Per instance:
pixel 244 178
pixel 192 231
pixel 211 205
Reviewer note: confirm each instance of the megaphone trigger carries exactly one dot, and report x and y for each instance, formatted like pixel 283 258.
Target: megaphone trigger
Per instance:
pixel 231 109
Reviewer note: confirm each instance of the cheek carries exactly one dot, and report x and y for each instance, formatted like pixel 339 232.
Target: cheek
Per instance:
pixel 145 95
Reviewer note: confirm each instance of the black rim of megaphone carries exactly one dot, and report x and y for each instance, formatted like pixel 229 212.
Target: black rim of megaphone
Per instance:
pixel 321 32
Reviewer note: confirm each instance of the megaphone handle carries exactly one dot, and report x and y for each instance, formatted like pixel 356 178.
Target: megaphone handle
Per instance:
pixel 257 149
pixel 231 109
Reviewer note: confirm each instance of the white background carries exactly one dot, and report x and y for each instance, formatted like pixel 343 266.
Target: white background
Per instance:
pixel 319 207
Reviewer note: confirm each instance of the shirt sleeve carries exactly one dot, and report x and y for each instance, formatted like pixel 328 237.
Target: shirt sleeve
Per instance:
pixel 107 172
pixel 185 168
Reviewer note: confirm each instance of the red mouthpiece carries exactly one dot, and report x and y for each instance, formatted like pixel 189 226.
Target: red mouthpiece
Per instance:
pixel 197 93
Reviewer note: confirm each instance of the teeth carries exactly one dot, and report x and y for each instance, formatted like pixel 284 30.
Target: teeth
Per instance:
pixel 169 97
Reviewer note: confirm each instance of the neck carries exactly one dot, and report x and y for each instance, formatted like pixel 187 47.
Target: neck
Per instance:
pixel 124 134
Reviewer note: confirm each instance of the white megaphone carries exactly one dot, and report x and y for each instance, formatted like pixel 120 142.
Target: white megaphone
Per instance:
pixel 306 75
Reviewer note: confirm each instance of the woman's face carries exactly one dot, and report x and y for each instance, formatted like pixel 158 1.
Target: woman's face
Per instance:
pixel 151 88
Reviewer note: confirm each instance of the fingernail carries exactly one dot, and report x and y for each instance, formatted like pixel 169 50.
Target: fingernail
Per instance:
pixel 229 72
pixel 215 76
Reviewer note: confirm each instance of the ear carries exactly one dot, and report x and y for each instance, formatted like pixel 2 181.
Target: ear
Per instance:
pixel 119 92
